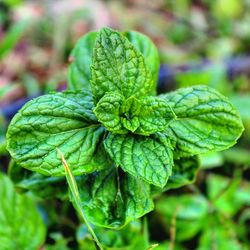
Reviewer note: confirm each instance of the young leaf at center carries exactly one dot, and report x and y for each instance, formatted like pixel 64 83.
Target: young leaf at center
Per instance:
pixel 118 66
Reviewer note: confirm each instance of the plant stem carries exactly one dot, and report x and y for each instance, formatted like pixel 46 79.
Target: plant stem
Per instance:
pixel 173 230
pixel 75 192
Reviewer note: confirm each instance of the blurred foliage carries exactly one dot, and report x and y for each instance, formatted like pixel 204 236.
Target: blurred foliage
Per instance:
pixel 13 213
pixel 199 40
pixel 129 238
pixel 12 37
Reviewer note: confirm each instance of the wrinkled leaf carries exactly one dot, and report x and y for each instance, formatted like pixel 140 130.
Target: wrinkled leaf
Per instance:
pixel 206 121
pixel 107 112
pixel 61 120
pixel 143 44
pixel 149 158
pixel 21 226
pixel 130 112
pixel 146 116
pixel 155 114
pixel 79 74
pixel 112 199
pixel 118 66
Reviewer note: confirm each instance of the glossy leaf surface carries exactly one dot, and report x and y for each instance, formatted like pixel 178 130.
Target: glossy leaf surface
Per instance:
pixel 149 158
pixel 61 120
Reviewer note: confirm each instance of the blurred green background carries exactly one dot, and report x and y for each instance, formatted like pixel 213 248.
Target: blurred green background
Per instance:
pixel 200 42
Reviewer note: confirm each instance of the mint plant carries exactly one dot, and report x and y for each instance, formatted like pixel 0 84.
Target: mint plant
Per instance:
pixel 123 143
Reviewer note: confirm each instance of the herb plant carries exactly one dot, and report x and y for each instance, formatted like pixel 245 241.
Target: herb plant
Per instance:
pixel 123 143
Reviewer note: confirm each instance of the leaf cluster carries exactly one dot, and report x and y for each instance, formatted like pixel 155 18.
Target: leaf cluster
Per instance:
pixel 122 141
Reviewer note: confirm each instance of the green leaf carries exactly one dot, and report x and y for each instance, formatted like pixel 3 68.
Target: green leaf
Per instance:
pixel 146 116
pixel 39 184
pixel 154 116
pixel 143 44
pixel 150 158
pixel 190 212
pixel 112 199
pixel 21 226
pixel 206 121
pixel 79 72
pixel 183 173
pixel 107 112
pixel 118 66
pixel 61 120
pixel 130 111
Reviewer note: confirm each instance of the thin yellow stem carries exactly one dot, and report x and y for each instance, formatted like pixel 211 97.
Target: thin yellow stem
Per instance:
pixel 75 192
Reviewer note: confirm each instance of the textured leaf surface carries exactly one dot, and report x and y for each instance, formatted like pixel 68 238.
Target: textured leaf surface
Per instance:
pixel 108 112
pixel 155 114
pixel 118 66
pixel 146 116
pixel 112 199
pixel 21 226
pixel 183 173
pixel 206 121
pixel 79 72
pixel 61 120
pixel 130 112
pixel 150 158
pixel 150 53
